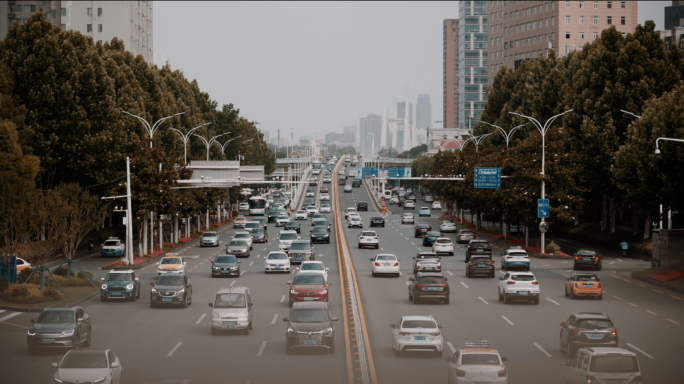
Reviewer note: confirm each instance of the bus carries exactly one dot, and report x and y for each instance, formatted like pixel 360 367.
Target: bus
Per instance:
pixel 317 167
pixel 257 206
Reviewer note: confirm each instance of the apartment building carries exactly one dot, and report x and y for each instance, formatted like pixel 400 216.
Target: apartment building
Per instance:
pixel 450 73
pixel 520 30
pixel 472 61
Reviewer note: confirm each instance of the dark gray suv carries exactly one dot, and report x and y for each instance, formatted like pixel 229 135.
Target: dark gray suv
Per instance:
pixel 310 326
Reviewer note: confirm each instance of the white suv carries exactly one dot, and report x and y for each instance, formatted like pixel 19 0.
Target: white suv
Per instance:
pixel 443 245
pixel 369 238
pixel 604 365
pixel 417 333
pixel 518 286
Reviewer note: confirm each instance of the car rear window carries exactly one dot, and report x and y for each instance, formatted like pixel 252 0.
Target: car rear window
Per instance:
pixel 312 267
pixel 614 364
pixel 480 259
pixel 479 244
pixel 94 360
pixel 480 358
pixel 466 232
pixel 171 260
pixel 111 243
pixel 434 234
pixel 522 278
pixel 368 234
pixel 418 324
pixel 384 257
pixel 444 241
pixel 594 323
pixel 119 277
pixel 432 280
pixel 170 280
pixel 517 254
pixel 586 252
pixel 288 236
pixel 586 278
pixel 241 236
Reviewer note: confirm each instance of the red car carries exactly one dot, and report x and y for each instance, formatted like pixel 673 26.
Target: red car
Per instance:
pixel 308 286
pixel 324 190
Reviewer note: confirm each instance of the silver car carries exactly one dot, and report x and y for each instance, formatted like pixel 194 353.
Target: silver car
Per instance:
pixel 239 248
pixel 259 235
pixel 246 236
pixel 209 239
pixel 408 218
pixel 232 310
pixel 302 250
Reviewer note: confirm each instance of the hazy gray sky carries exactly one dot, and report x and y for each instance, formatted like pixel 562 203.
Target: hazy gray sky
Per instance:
pixel 312 67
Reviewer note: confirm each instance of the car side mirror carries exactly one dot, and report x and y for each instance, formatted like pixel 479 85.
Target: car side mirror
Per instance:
pixel 392 325
pixel 211 305
pixel 239 261
pixel 116 364
pixel 250 304
pixel 157 263
pixel 152 284
pixel 80 319
pixel 286 319
pixel 327 269
pixel 440 326
pixel 335 319
pixel 54 365
pixel 568 363
pixel 500 279
pixel 137 279
pixel 289 283
pixel 413 257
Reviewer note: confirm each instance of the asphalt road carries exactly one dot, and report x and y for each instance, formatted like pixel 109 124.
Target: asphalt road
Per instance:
pixel 175 343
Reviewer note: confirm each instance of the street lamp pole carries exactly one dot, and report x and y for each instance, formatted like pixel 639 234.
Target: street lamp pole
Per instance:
pixel 186 137
pixel 151 129
pixel 542 130
pixel 507 136
pixel 476 140
pixel 669 213
pixel 211 141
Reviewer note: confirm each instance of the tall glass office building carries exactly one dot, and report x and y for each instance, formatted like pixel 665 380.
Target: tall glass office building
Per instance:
pixel 472 62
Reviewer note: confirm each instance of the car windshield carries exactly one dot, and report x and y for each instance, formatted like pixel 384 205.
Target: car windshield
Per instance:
pixel 386 257
pixel 479 244
pixel 480 358
pixel 225 259
pixel 594 323
pixel 66 316
pixel 277 256
pixel 170 280
pixel 444 241
pixel 171 260
pixel 586 252
pixel 111 243
pixel 522 278
pixel 209 234
pixel 311 207
pixel 241 236
pixel 614 364
pixel 319 231
pixel 230 300
pixel 300 246
pixel 84 360
pixel 237 243
pixel 321 223
pixel 368 234
pixel 408 214
pixel 283 217
pixel 432 280
pixel 586 278
pixel 301 211
pixel 119 277
pixel 309 280
pixel 257 231
pixel 288 236
pixel 418 324
pixel 310 316
pixel 312 267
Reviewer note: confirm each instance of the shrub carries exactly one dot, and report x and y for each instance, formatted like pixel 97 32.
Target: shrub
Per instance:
pixel 4 284
pixel 51 293
pixel 73 282
pixel 62 271
pixel 16 290
pixel 80 274
pixel 24 274
pixel 236 212
pixel 30 294
pixel 552 248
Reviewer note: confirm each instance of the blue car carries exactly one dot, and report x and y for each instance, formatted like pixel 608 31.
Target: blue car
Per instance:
pixel 424 211
pixel 113 247
pixel 430 238
pixel 517 258
pixel 120 285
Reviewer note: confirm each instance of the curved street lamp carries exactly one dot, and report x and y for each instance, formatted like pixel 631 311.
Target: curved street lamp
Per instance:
pixel 476 140
pixel 211 141
pixel 151 129
pixel 506 136
pixel 186 137
pixel 224 145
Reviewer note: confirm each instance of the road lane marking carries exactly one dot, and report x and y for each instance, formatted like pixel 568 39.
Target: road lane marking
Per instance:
pixel 449 273
pixel 554 303
pixel 261 350
pixel 563 262
pixel 2 310
pixel 655 290
pixel 616 276
pixel 407 283
pixel 641 285
pixel 233 283
pixel 651 312
pixel 242 273
pixel 546 265
pixel 258 256
pixel 508 321
pixel 464 284
pixel 275 317
pixel 451 346
pixel 174 349
pixel 612 262
pixel 617 297
pixel 632 304
pixel 11 315
pixel 483 300
pixel 639 350
pixel 672 321
pixel 200 319
pixel 252 263
pixel 282 299
pixel 542 349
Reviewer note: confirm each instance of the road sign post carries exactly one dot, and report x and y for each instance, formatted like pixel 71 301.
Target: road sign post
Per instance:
pixel 543 208
pixel 487 178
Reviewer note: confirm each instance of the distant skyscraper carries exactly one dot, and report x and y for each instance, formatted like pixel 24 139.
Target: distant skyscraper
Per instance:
pixel 423 112
pixel 674 15
pixel 350 130
pixel 402 128
pixel 369 132
pixel 450 81
pixel 472 62
pixel 266 133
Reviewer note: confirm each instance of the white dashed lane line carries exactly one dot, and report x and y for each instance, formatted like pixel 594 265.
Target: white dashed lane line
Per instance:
pixel 552 301
pixel 449 273
pixel 542 349
pixel 11 315
pixel 242 273
pixel 282 299
pixel 174 349
pixel 261 350
pixel 506 318
pixel 464 284
pixel 275 317
pixel 252 263
pixel 483 300
pixel 233 283
pixel 200 319
pixel 451 346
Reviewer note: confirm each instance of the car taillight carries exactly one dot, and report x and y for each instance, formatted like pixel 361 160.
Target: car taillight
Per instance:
pixel 472 263
pixel 460 373
pixel 488 249
pixel 404 333
pixel 591 380
pixel 490 263
pixel 502 373
pixel 577 257
pixel 576 285
pixel 576 332
pixel 434 334
pixel 510 282
pixel 535 283
pixel 443 285
pixel 420 285
pixel 375 237
pixel 396 264
pixel 377 264
pixel 613 332
pixel 598 285
pixel 636 380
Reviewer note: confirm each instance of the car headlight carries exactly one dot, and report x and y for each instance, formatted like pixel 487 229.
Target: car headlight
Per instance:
pixel 291 332
pixel 323 291
pixel 182 291
pixel 293 291
pixel 98 381
pixel 56 380
pixel 243 250
pixel 234 269
pixel 328 331
pixel 215 268
pixel 129 286
pixel 159 268
pixel 31 332
pixel 68 332
pixel 214 315
pixel 104 286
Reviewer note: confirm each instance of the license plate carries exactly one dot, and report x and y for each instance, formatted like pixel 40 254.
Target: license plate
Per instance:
pixel 595 336
pixel 480 265
pixel 308 299
pixel 432 288
pixel 166 299
pixel 523 292
pixel 443 246
pixel 319 238
pixel 588 285
pixel 369 240
pixel 278 268
pixel 309 342
pixel 479 250
pixel 586 259
pixel 48 340
pixel 419 338
pixel 387 264
pixel 428 268
pixel 115 293
pixel 299 258
pixel 225 271
pixel 229 326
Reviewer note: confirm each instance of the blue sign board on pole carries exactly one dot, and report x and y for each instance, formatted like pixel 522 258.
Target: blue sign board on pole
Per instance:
pixel 367 172
pixel 489 178
pixel 543 208
pixel 395 173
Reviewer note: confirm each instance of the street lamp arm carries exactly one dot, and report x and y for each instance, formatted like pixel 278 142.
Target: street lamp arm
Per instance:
pixel 158 123
pixel 223 146
pixel 630 113
pixel 213 139
pixel 548 123
pixel 666 139
pixel 206 143
pixel 180 134
pixel 532 119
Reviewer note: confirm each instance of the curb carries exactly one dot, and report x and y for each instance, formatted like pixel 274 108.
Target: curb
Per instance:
pixel 657 283
pixel 39 310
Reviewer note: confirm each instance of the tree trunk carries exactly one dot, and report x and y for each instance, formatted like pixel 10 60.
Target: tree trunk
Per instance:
pixel 611 199
pixel 151 233
pixel 479 220
pixel 647 227
pixel 144 235
pixel 527 235
pixel 577 213
pixel 596 213
pixel 635 221
pixel 174 237
pixel 604 212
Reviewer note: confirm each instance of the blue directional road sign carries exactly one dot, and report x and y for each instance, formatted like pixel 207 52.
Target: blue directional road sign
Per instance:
pixel 489 178
pixel 367 172
pixel 543 208
pixel 395 173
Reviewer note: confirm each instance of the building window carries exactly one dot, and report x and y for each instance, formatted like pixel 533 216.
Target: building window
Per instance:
pixel 534 25
pixel 63 26
pixel 89 28
pixel 623 20
pixel 553 20
pixel 90 11
pixel 553 36
pixel 567 4
pixel 595 20
pixel 534 40
pixel 581 3
pixel 610 4
pixel 581 19
pixel 610 20
pixel 595 4
pixel 595 35
pixel 623 34
pixel 54 13
pixel 567 19
pixel 581 35
pixel 623 4
pixel 99 27
pixel 567 35
pixel 63 11
pixel 99 11
pixel 546 22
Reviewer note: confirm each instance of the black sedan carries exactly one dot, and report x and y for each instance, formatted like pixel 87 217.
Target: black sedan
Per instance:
pixel 421 229
pixel 225 265
pixel 377 221
pixel 171 289
pixel 480 265
pixel 293 226
pixel 320 235
pixel 362 206
pixel 587 258
pixel 430 286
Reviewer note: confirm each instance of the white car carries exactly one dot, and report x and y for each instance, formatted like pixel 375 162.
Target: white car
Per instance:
pixel 243 206
pixel 515 257
pixel 277 262
pixel 285 240
pixel 437 205
pixel 325 208
pixel 309 194
pixel 355 222
pixel 327 180
pixel 88 366
pixel 417 333
pixel 348 188
pixel 369 238
pixel 394 200
pixel 311 210
pixel 314 266
pixel 518 286
pixel 478 362
pixel 429 199
pixel 301 215
pixel 324 197
pixel 408 218
pixel 409 204
pixel 424 211
pixel 246 236
pixel 353 214
pixel 385 264
pixel 282 220
pixel 348 211
pixel 447 226
pixel 113 247
pixel 443 245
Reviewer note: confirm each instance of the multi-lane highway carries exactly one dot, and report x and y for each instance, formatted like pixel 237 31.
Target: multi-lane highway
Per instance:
pixel 175 343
